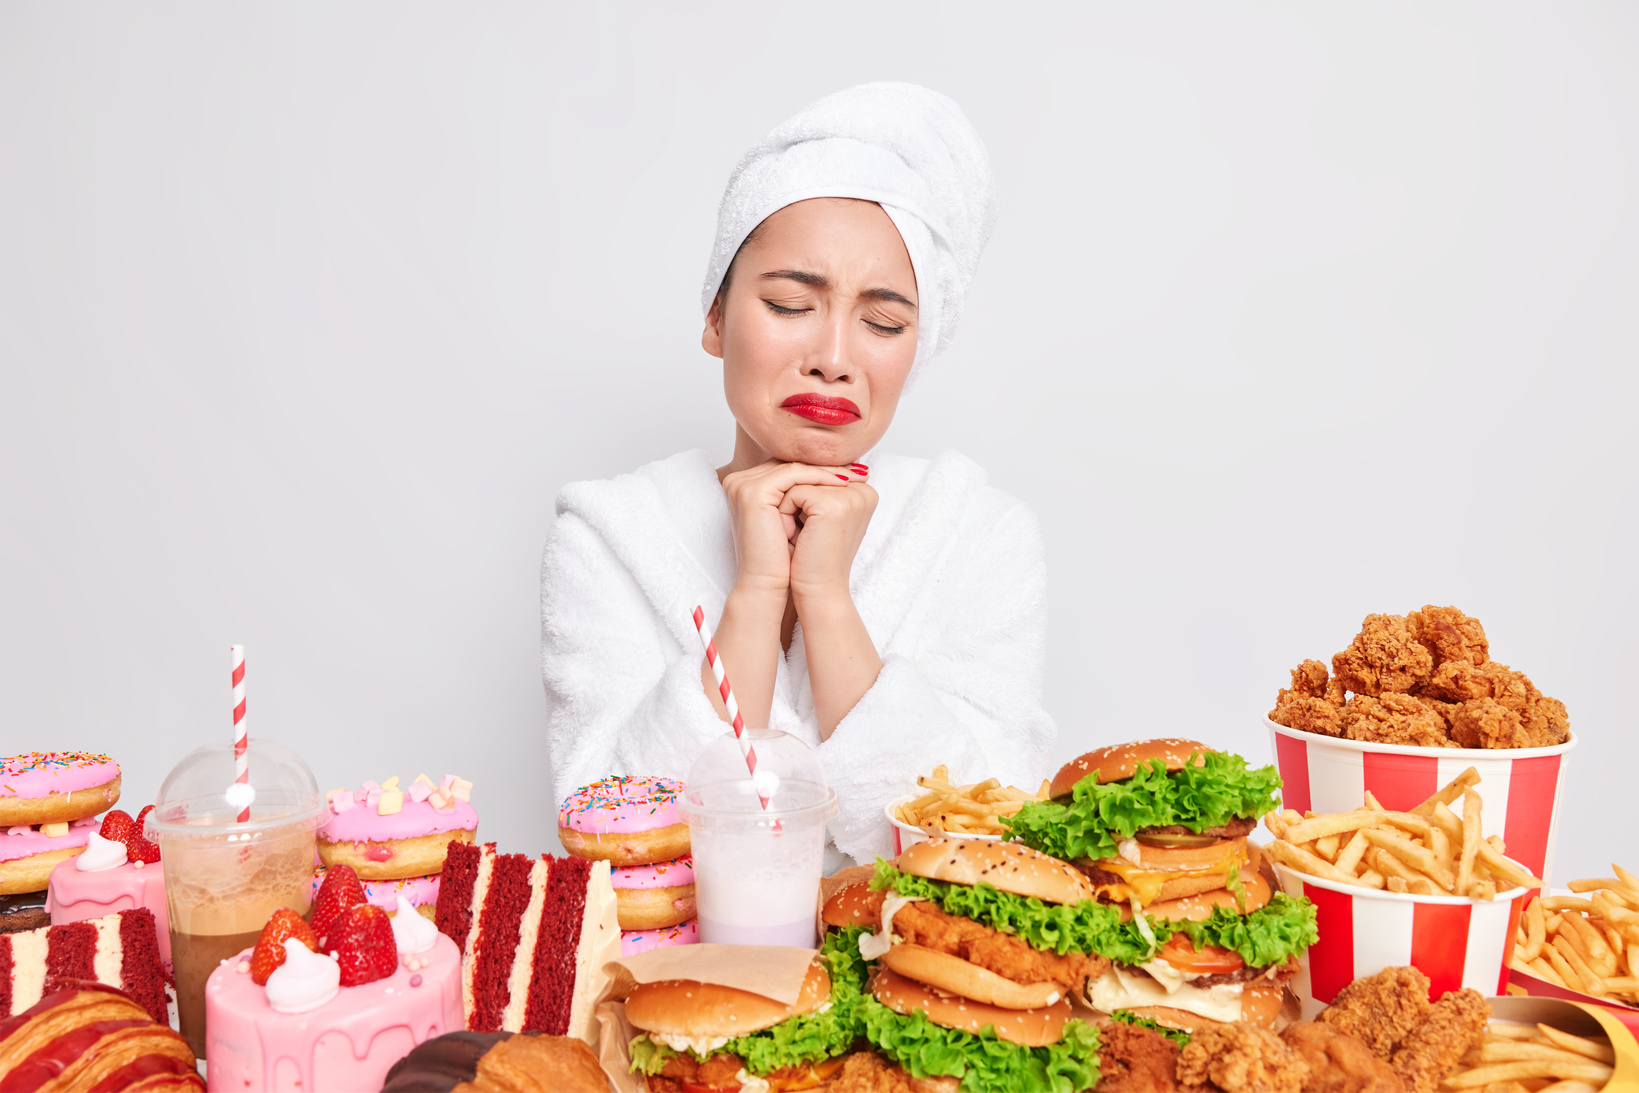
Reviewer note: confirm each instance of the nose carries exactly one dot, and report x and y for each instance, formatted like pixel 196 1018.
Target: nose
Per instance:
pixel 827 357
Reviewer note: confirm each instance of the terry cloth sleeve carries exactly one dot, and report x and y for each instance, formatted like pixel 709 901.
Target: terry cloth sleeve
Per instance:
pixel 623 696
pixel 960 684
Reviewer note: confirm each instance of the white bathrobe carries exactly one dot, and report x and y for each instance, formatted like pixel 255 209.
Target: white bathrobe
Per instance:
pixel 949 580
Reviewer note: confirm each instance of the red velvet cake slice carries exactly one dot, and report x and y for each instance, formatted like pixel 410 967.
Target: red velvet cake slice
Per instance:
pixel 119 950
pixel 535 934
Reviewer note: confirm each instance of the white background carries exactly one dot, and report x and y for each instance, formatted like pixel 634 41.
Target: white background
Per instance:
pixel 1294 312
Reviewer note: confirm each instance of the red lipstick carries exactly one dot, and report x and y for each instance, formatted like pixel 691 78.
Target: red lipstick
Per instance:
pixel 822 409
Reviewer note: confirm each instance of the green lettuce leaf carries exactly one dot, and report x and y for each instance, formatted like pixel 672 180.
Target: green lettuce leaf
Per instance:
pixel 1176 1035
pixel 1093 820
pixel 647 1055
pixel 1272 934
pixel 983 1062
pixel 1085 927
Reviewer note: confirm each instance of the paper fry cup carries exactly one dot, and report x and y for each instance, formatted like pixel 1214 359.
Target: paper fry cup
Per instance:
pixel 905 834
pixel 1518 786
pixel 1455 941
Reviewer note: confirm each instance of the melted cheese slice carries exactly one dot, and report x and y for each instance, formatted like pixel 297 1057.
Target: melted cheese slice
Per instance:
pixel 1121 990
pixel 1144 884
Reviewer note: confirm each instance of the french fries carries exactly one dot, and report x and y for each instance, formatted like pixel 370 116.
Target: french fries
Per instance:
pixel 1430 851
pixel 1588 942
pixel 1525 1057
pixel 974 809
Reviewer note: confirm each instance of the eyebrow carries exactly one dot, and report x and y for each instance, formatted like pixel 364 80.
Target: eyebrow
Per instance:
pixel 805 277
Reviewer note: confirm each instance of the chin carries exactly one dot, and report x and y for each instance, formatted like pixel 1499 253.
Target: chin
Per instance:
pixel 821 449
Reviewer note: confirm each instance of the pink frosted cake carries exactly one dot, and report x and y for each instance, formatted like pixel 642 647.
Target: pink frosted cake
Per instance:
pixel 304 1032
pixel 103 880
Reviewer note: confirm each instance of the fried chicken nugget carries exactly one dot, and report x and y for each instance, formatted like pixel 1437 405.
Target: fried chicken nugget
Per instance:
pixel 1339 1062
pixel 1380 1009
pixel 1450 635
pixel 1314 702
pixel 1385 658
pixel 1135 1060
pixel 1453 1026
pixel 1395 719
pixel 1241 1058
pixel 1487 723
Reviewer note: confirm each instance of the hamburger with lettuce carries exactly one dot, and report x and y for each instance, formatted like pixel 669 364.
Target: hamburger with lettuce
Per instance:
pixel 1159 829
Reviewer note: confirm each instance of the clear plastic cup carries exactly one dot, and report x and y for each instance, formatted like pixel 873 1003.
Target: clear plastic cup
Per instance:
pixel 756 870
pixel 223 878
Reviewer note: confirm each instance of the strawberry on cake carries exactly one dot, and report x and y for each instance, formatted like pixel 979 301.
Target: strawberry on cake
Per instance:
pixel 390 833
pixel 119 870
pixel 420 893
pixel 332 1001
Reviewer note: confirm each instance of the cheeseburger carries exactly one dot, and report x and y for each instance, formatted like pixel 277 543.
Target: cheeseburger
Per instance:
pixel 708 1038
pixel 1159 828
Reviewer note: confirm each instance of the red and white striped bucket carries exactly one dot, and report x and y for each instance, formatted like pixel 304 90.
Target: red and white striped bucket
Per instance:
pixel 1456 942
pixel 1518 786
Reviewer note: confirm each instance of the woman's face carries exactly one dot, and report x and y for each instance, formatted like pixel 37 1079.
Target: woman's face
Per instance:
pixel 817 330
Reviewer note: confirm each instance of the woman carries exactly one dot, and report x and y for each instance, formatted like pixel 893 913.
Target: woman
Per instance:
pixel 890 614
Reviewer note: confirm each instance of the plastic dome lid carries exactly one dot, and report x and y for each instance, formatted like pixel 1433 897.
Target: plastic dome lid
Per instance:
pixel 720 788
pixel 201 791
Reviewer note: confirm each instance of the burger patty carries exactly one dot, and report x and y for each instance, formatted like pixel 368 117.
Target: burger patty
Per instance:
pixel 720 1069
pixel 1234 829
pixel 1097 875
pixel 923 923
pixel 1283 972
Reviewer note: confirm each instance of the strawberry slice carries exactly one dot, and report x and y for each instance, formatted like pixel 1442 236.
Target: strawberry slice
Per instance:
pixel 118 825
pixel 270 947
pixel 140 849
pixel 340 893
pixel 363 943
pixel 142 818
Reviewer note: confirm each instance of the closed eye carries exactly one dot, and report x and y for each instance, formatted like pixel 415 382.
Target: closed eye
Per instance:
pixel 880 329
pixel 778 310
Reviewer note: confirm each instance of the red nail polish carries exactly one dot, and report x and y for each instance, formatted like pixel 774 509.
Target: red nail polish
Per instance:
pixel 861 468
pixel 843 477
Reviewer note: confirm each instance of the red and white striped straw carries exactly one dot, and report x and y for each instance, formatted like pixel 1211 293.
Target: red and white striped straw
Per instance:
pixel 241 758
pixel 732 706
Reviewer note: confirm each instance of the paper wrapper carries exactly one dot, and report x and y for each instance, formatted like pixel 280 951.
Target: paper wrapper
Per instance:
pixel 836 882
pixel 1524 983
pixel 1578 1019
pixel 614 1036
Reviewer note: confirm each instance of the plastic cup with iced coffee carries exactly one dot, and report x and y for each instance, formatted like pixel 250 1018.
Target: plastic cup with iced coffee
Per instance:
pixel 225 876
pixel 757 870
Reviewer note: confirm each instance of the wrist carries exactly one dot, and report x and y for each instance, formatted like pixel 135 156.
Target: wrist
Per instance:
pixel 755 596
pixel 822 600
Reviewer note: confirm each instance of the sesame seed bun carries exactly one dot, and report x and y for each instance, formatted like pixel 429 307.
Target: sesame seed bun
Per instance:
pixel 686 1007
pixel 855 905
pixel 1031 1028
pixel 1009 867
pixel 1118 762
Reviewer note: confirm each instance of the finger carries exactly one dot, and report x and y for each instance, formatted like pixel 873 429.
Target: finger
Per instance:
pixel 782 476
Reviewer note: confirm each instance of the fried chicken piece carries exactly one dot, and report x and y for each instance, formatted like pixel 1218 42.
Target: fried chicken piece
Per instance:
pixel 1380 1009
pixel 1450 635
pixel 1384 658
pixel 1453 1026
pixel 1487 723
pixel 1313 703
pixel 1135 1060
pixel 868 1072
pixel 1395 719
pixel 1546 722
pixel 1339 1062
pixel 1242 1058
pixel 923 923
pixel 1457 681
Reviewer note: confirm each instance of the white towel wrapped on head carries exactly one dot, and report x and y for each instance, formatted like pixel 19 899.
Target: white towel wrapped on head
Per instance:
pixel 910 150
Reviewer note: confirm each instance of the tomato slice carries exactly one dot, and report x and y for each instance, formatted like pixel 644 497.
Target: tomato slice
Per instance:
pixel 1182 954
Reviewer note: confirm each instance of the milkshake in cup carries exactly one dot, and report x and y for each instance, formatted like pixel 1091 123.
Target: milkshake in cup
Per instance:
pixel 224 877
pixel 757 870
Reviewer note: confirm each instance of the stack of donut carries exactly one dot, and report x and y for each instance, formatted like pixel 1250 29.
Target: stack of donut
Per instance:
pixel 47 804
pixel 395 839
pixel 634 825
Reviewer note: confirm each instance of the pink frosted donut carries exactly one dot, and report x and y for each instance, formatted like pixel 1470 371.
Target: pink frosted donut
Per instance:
pixel 401 845
pixel 651 897
pixel 625 821
pixel 45 787
pixel 28 855
pixel 641 941
pixel 666 874
pixel 422 892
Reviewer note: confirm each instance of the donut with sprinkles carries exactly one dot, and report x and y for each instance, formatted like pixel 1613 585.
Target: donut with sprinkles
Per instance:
pixel 47 787
pixel 625 820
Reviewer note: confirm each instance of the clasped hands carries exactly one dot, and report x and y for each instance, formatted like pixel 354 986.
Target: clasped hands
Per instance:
pixel 797 528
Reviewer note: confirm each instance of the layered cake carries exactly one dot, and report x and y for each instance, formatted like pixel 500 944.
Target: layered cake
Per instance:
pixel 119 870
pixel 634 824
pixel 119 950
pixel 534 934
pixel 92 1037
pixel 332 1004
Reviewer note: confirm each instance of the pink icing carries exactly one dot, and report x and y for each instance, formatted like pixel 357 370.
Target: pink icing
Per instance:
pixel 23 842
pixel 618 803
pixel 362 824
pixel 74 896
pixel 666 874
pixel 349 1042
pixel 384 893
pixel 42 773
pixel 641 941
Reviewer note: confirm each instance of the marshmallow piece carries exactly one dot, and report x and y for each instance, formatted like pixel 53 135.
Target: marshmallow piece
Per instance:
pixel 440 801
pixel 54 831
pixel 341 800
pixel 412 931
pixel 19 829
pixel 100 854
pixel 445 783
pixel 391 783
pixel 461 789
pixel 421 788
pixel 305 981
pixel 392 801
